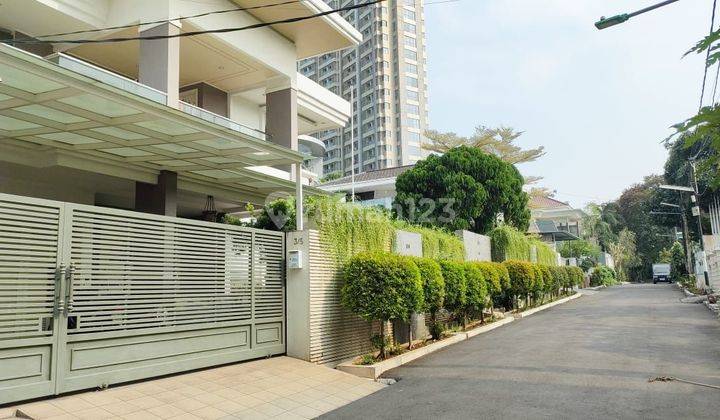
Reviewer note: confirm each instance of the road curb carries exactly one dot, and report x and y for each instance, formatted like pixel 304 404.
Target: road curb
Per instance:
pixel 375 370
pixel 546 306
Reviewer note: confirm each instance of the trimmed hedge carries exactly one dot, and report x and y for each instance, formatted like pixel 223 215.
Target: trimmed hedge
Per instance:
pixel 455 286
pixel 382 287
pixel 385 287
pixel 476 295
pixel 433 284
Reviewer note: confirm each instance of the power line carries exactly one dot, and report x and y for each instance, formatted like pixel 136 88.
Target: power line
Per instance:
pixel 707 57
pixel 192 33
pixel 132 25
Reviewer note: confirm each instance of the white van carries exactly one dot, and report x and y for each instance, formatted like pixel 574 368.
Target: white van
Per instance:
pixel 661 272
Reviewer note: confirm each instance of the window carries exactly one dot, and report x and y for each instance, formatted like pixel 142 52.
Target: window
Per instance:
pixel 411 55
pixel 408 14
pixel 411 81
pixel 411 68
pixel 413 136
pixel 409 27
pixel 412 109
pixel 410 41
pixel 412 95
pixel 413 122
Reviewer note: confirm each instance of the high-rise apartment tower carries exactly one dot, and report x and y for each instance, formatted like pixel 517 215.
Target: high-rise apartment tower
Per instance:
pixel 388 74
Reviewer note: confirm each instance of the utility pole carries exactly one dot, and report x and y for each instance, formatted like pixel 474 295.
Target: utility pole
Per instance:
pixel 696 202
pixel 686 237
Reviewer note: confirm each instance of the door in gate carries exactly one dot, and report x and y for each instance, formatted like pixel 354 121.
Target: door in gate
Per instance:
pixel 31 296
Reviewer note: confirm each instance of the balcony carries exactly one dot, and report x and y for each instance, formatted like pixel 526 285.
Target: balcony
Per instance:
pixel 128 85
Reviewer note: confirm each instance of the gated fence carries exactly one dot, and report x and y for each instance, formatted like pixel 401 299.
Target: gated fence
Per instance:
pixel 92 296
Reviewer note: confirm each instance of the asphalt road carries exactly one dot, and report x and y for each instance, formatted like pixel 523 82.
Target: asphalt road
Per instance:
pixel 589 358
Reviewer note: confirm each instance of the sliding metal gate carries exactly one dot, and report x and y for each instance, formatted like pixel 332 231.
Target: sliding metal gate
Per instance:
pixel 92 296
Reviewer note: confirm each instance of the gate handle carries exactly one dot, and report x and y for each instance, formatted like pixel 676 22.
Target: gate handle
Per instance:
pixel 58 302
pixel 69 295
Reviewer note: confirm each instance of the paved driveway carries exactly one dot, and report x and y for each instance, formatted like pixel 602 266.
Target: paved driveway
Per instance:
pixel 280 387
pixel 589 358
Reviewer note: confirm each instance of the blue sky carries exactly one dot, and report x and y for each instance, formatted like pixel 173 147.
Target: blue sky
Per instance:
pixel 599 101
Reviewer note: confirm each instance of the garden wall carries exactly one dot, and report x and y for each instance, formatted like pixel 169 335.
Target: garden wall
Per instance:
pixel 320 330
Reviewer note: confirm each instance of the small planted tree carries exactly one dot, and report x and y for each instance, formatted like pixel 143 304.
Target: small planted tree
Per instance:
pixel 548 280
pixel 476 294
pixel 538 283
pixel 522 278
pixel 433 290
pixel 492 281
pixel 382 287
pixel 455 287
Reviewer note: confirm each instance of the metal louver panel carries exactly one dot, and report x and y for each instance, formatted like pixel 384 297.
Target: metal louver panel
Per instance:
pixel 28 261
pixel 136 273
pixel 336 334
pixel 268 275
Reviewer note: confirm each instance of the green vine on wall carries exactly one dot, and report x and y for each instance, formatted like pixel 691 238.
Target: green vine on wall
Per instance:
pixel 508 243
pixel 349 229
pixel 436 243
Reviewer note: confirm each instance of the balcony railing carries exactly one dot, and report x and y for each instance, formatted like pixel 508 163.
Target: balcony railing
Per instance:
pixel 112 79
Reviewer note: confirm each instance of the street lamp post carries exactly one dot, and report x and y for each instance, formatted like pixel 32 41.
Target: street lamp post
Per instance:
pixel 624 17
pixel 686 235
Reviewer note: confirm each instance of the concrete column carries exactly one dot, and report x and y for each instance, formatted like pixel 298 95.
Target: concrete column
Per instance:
pixel 281 121
pixel 160 198
pixel 160 61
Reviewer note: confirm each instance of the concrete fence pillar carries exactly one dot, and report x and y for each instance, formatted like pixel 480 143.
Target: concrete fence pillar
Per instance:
pixel 409 243
pixel 477 247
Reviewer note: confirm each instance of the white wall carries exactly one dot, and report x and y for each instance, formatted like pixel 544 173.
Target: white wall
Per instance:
pixel 246 112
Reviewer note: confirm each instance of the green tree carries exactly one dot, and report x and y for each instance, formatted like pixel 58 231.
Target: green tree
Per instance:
pixel 579 249
pixel 463 189
pixel 500 142
pixel 624 253
pixel 598 224
pixel 382 287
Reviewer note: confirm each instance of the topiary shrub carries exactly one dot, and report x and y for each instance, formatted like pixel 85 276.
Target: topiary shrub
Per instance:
pixel 559 278
pixel 602 276
pixel 538 284
pixel 382 287
pixel 476 295
pixel 548 279
pixel 433 291
pixel 433 284
pixel 575 277
pixel 492 277
pixel 455 287
pixel 522 278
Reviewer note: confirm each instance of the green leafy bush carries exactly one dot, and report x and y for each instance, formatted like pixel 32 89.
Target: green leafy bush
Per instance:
pixel 538 284
pixel 476 295
pixel 492 277
pixel 522 277
pixel 433 284
pixel 602 276
pixel 560 278
pixel 382 287
pixel 548 278
pixel 455 286
pixel 575 277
